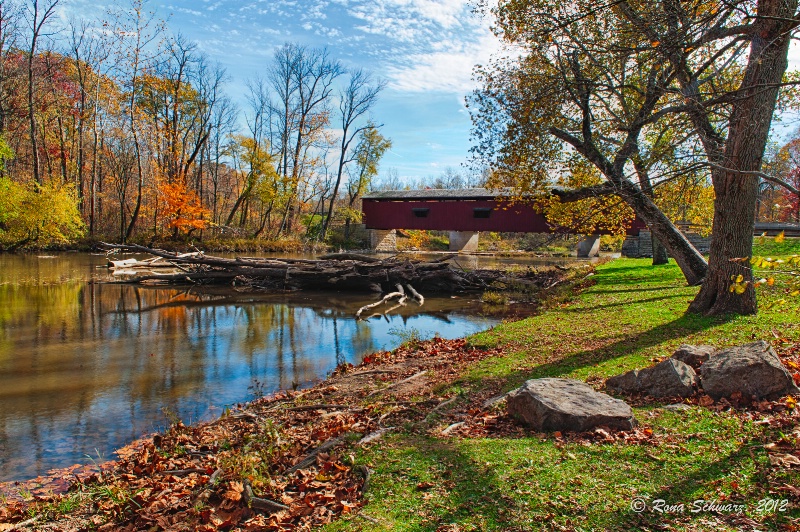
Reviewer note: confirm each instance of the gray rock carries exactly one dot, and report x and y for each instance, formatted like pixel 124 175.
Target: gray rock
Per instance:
pixel 694 355
pixel 670 378
pixel 625 383
pixel 567 405
pixel 751 369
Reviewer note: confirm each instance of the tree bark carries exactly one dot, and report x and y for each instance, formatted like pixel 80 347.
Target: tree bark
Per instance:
pixel 660 255
pixel 737 191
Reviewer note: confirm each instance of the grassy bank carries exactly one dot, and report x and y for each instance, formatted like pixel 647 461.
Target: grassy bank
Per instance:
pixel 452 463
pixel 633 316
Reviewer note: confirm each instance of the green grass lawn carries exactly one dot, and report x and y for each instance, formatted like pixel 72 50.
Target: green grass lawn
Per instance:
pixel 633 315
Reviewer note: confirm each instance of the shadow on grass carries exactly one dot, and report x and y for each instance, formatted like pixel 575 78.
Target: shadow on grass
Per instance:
pixel 439 486
pixel 628 290
pixel 704 480
pixel 623 303
pixel 678 328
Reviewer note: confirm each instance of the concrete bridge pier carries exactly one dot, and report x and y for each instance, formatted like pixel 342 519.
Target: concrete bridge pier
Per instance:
pixel 589 246
pixel 463 241
pixel 383 240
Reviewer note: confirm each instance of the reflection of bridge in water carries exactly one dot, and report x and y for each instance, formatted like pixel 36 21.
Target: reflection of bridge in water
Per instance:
pixel 462 212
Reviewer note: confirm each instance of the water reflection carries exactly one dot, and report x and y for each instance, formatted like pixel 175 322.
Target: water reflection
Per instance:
pixel 85 367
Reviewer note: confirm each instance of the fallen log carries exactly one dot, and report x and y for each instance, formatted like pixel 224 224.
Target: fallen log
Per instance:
pixel 339 271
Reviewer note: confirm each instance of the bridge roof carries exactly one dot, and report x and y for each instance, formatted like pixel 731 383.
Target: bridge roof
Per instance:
pixel 439 194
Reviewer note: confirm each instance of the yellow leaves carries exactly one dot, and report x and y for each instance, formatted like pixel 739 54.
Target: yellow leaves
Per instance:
pixel 738 288
pixel 43 214
pixel 687 199
pixel 767 263
pixel 776 303
pixel 780 238
pixel 738 284
pixel 791 402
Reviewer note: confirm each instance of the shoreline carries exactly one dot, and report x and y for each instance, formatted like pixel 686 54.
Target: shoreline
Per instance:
pixel 418 438
pixel 394 387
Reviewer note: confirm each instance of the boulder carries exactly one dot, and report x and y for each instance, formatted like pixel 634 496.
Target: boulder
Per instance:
pixel 751 369
pixel 694 355
pixel 627 383
pixel 567 405
pixel 670 378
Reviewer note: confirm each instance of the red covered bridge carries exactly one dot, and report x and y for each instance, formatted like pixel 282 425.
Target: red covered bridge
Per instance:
pixel 463 212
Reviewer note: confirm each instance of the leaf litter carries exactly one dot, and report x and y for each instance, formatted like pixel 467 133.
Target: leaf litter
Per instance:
pixel 286 462
pixel 283 462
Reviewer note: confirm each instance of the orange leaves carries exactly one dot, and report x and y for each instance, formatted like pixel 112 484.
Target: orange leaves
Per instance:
pixel 183 210
pixel 235 491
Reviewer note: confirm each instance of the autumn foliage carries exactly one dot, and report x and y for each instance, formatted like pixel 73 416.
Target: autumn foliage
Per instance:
pixel 137 124
pixel 182 208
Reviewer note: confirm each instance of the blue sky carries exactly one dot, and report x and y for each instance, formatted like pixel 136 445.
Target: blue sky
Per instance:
pixel 424 49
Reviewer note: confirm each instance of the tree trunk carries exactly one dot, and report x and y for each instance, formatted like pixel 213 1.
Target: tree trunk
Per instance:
pixel 659 251
pixel 736 190
pixel 690 261
pixel 660 255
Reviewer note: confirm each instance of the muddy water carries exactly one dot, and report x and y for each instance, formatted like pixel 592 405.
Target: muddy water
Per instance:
pixel 87 366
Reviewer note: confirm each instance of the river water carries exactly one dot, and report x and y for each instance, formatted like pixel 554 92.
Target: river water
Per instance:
pixel 87 366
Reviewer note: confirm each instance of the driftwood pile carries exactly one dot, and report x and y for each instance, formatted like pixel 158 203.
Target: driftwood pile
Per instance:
pixel 337 271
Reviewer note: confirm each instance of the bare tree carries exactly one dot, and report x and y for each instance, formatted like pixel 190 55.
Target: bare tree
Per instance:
pixel 37 15
pixel 303 82
pixel 355 102
pixel 138 33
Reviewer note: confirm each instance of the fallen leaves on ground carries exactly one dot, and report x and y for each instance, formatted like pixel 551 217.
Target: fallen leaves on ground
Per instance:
pixel 285 462
pixel 279 463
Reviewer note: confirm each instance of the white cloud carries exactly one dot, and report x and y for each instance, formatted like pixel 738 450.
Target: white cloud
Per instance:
pixel 447 70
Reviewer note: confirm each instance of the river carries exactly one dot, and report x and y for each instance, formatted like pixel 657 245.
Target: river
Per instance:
pixel 87 366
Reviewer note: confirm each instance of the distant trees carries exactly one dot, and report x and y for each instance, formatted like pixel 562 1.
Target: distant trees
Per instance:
pixel 134 126
pixel 366 157
pixel 781 202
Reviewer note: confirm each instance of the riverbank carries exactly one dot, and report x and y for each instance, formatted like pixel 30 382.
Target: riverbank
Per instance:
pixel 219 245
pixel 455 461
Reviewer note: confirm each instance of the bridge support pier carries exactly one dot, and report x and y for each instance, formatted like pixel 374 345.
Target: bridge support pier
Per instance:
pixel 589 246
pixel 463 241
pixel 383 240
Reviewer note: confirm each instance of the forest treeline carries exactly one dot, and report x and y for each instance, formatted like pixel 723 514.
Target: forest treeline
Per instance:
pixel 115 128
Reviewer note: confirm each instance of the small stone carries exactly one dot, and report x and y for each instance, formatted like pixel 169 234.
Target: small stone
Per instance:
pixel 567 405
pixel 669 378
pixel 676 407
pixel 694 355
pixel 752 369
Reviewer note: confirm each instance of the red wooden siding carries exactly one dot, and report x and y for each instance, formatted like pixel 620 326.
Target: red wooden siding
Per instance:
pixel 458 215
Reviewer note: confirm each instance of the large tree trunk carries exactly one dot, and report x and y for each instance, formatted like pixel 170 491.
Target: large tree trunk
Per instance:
pixel 735 186
pixel 690 261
